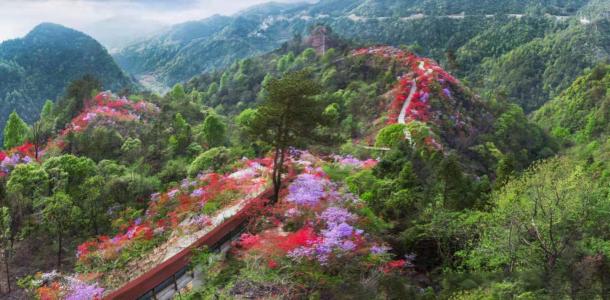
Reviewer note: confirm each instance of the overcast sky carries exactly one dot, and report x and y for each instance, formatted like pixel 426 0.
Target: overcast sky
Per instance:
pixel 17 17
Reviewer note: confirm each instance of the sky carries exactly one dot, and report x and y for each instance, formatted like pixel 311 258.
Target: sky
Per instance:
pixel 18 17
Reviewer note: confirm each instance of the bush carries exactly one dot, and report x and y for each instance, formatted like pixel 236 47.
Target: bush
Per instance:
pixel 390 135
pixel 213 159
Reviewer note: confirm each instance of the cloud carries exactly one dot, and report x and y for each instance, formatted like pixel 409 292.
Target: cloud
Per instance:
pixel 19 17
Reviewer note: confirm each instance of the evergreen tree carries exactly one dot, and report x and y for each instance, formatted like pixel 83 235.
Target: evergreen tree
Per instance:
pixel 287 117
pixel 15 131
pixel 214 130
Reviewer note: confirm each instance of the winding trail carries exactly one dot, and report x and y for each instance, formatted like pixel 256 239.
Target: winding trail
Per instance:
pixel 403 110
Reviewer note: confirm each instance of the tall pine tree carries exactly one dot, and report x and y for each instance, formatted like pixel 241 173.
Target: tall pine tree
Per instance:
pixel 287 118
pixel 15 131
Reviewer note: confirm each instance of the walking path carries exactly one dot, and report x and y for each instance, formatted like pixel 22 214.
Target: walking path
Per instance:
pixel 403 110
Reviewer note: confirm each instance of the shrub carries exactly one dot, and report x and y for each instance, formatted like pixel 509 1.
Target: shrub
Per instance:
pixel 213 159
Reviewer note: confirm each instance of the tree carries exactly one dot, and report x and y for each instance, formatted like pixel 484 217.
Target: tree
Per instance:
pixel 94 203
pixel 181 138
pixel 26 183
pixel 40 132
pixel 131 148
pixel 214 130
pixel 5 238
pixel 78 91
pixel 58 216
pixel 15 131
pixel 178 93
pixel 68 174
pixel 539 222
pixel 287 117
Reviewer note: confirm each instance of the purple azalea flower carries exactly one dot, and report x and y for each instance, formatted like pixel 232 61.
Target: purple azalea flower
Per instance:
pixel 155 196
pixel 336 215
pixel 172 193
pixel 425 97
pixel 198 193
pixel 348 246
pixel 306 189
pixel 447 92
pixel 82 291
pixel 379 249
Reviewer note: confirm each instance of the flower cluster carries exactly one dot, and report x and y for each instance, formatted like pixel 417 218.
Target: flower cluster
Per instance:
pixel 107 107
pixel 350 161
pixel 180 211
pixel 54 286
pixel 314 224
pixel 414 89
pixel 337 237
pixel 307 189
pixel 23 154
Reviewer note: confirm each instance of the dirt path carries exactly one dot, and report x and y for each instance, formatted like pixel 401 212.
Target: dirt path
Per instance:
pixel 403 110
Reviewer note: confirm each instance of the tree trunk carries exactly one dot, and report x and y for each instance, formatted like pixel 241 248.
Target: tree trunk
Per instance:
pixel 6 268
pixel 59 251
pixel 278 162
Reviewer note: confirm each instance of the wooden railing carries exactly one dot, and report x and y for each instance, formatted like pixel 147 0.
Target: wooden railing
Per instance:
pixel 147 285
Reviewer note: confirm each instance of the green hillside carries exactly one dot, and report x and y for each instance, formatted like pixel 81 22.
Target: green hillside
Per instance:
pixel 40 65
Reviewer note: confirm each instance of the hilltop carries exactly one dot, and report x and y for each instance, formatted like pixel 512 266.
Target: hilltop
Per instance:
pixel 40 66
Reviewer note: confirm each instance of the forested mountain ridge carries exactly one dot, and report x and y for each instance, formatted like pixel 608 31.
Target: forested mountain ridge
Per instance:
pixel 534 72
pixel 438 26
pixel 40 65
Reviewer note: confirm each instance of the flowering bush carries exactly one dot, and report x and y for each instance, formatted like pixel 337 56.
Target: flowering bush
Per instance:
pixel 423 78
pixel 181 211
pixel 315 224
pixel 23 154
pixel 307 189
pixel 350 161
pixel 104 106
pixel 54 286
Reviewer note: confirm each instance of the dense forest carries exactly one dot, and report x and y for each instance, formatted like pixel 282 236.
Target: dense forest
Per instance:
pixel 449 156
pixel 40 65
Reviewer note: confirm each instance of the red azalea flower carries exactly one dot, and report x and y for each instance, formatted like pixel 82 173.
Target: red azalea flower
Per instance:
pixel 272 264
pixel 303 237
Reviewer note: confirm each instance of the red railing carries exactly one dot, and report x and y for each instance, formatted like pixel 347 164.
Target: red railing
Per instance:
pixel 156 276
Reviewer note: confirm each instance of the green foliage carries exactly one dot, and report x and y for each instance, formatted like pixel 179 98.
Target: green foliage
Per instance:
pixel 59 214
pixel 40 65
pixel 215 159
pixel 181 137
pixel 391 135
pixel 538 223
pixel 582 112
pixel 533 73
pixel 15 131
pixel 214 130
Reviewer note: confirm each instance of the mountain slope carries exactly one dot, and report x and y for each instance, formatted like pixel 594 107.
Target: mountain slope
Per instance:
pixel 435 25
pixel 40 66
pixel 582 111
pixel 538 70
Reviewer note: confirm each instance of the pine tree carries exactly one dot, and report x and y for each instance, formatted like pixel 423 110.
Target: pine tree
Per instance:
pixel 287 118
pixel 15 131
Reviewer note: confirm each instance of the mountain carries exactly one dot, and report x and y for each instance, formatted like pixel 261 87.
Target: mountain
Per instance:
pixel 435 27
pixel 534 72
pixel 582 112
pixel 40 65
